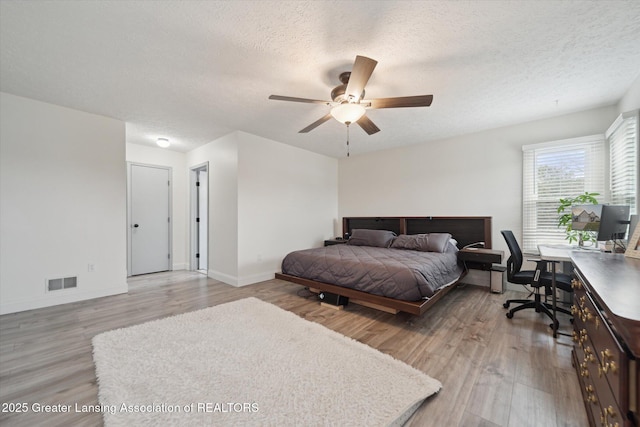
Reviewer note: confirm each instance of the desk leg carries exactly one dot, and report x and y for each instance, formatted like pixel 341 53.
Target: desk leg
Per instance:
pixel 554 302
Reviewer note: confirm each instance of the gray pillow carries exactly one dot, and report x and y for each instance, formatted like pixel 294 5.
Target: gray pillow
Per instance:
pixel 376 238
pixel 432 242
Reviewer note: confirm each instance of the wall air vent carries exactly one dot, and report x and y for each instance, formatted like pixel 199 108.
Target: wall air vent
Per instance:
pixel 62 283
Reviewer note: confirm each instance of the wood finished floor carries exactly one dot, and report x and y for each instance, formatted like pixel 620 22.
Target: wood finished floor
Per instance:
pixel 494 371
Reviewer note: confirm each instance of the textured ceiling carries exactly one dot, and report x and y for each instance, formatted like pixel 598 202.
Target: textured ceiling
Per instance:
pixel 194 71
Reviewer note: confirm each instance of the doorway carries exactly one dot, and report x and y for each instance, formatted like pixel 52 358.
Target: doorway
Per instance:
pixel 199 217
pixel 149 218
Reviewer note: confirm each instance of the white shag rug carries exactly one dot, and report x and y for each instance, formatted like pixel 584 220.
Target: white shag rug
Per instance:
pixel 249 362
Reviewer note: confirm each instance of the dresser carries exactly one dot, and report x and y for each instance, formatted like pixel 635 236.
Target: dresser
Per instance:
pixel 606 335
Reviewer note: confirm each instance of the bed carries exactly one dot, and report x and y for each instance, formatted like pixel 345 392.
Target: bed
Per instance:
pixel 390 263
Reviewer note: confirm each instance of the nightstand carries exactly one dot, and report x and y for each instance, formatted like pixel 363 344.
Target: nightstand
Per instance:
pixel 480 256
pixel 484 268
pixel 334 242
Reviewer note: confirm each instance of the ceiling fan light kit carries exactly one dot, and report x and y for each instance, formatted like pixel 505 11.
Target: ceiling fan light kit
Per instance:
pixel 348 113
pixel 348 105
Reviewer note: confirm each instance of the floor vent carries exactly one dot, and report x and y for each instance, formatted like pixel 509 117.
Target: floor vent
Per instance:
pixel 63 283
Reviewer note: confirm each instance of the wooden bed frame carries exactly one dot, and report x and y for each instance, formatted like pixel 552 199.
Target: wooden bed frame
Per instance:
pixel 466 230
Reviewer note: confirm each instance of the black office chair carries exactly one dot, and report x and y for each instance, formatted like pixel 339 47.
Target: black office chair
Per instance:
pixel 537 278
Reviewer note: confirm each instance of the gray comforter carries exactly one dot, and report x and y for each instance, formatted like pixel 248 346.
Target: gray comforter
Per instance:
pixel 395 273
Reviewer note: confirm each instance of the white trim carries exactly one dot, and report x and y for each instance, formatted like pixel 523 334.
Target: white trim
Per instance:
pixel 192 213
pixel 563 142
pixel 255 278
pixel 240 281
pixel 180 266
pixel 49 299
pixel 222 277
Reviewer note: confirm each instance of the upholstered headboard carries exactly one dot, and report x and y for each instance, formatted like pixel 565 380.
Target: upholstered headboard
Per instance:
pixel 466 230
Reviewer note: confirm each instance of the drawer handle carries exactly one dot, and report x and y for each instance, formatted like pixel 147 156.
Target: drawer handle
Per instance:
pixel 609 366
pixel 605 414
pixel 591 396
pixel 584 372
pixel 583 338
pixel 574 309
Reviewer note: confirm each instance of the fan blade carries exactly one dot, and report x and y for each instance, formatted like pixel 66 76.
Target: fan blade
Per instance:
pixel 315 124
pixel 294 99
pixel 362 70
pixel 403 101
pixel 367 125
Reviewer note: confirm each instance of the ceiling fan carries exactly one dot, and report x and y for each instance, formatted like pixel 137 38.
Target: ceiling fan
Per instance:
pixel 348 103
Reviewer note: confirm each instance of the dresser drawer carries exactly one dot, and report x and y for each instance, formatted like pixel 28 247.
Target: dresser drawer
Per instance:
pixel 611 358
pixel 608 413
pixel 589 395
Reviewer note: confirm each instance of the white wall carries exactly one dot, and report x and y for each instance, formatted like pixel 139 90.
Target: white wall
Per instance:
pixel 287 200
pixel 265 200
pixel 136 153
pixel 631 99
pixel 63 203
pixel 475 174
pixel 222 155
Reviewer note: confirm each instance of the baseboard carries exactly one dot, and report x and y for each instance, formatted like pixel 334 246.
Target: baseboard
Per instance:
pixel 222 277
pixel 180 266
pixel 49 300
pixel 240 281
pixel 256 278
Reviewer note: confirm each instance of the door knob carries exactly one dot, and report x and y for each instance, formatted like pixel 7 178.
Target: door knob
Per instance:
pixel 135 226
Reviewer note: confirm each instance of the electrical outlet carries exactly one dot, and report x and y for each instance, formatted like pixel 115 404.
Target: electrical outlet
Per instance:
pixel 91 268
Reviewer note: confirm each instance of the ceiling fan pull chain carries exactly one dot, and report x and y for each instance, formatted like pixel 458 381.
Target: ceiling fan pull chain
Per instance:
pixel 348 138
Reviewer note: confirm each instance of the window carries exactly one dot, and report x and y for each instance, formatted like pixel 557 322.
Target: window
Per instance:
pixel 567 168
pixel 554 170
pixel 622 138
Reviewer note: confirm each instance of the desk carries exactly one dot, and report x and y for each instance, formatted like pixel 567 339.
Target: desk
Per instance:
pixel 555 254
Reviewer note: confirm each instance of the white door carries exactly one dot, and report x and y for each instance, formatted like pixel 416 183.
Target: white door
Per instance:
pixel 149 219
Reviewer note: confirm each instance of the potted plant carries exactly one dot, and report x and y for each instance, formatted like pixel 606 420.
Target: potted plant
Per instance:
pixel 565 220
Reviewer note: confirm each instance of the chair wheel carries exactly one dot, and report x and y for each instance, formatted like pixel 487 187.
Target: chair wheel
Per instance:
pixel 509 315
pixel 506 305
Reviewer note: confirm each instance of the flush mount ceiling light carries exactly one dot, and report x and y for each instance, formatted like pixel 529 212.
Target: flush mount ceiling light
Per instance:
pixel 348 113
pixel 162 142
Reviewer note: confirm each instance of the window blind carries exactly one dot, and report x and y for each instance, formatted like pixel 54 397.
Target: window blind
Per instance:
pixel 622 138
pixel 555 170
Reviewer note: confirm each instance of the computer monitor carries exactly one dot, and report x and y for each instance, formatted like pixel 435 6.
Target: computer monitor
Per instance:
pixel 586 217
pixel 613 222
